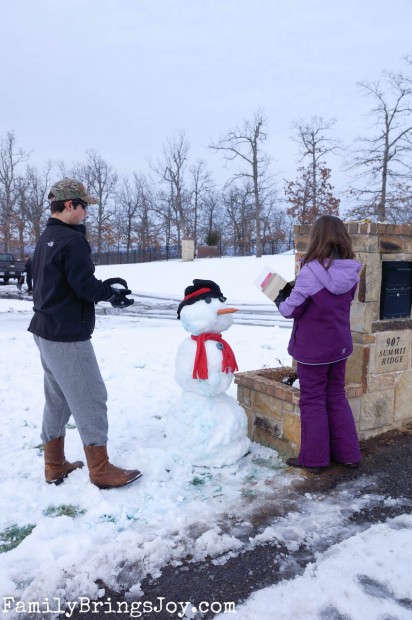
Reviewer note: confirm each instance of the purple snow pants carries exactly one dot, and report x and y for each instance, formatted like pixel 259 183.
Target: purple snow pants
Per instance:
pixel 327 426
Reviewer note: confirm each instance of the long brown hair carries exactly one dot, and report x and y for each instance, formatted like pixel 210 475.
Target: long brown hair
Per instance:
pixel 329 239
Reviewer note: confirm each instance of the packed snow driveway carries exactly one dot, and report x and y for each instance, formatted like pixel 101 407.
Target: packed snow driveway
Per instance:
pixel 157 307
pixel 165 307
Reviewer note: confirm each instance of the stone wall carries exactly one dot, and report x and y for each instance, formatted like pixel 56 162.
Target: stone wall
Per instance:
pixel 381 361
pixel 207 251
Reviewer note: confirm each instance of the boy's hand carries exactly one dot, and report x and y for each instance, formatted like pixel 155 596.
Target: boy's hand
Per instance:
pixel 111 281
pixel 119 299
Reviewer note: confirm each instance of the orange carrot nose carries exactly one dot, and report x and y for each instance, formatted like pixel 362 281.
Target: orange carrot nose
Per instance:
pixel 227 310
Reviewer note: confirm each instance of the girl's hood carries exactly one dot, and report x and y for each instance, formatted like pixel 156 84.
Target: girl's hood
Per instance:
pixel 341 276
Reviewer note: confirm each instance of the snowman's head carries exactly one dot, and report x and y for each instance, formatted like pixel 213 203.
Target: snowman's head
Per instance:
pixel 203 309
pixel 208 315
pixel 200 289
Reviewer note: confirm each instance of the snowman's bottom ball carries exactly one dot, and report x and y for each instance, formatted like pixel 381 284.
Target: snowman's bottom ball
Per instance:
pixel 209 432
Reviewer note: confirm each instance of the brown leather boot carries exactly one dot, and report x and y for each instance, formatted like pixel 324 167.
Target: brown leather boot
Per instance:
pixel 56 466
pixel 105 475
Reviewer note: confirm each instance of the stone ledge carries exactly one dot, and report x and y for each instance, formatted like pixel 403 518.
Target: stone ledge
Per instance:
pixel 254 380
pixel 391 325
pixel 364 227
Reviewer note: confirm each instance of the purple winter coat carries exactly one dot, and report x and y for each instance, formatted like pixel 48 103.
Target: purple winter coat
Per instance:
pixel 320 306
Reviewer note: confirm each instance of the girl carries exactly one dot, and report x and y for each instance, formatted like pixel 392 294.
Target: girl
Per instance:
pixel 321 342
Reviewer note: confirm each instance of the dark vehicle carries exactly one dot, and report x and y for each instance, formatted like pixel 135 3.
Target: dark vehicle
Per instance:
pixel 10 268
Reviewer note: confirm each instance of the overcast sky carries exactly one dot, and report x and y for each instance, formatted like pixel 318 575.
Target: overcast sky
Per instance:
pixel 123 76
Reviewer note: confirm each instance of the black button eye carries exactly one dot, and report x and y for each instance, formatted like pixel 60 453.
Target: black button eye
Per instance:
pixel 222 299
pixel 208 300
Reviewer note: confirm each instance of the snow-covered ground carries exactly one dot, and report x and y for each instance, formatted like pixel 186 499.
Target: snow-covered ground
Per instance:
pixel 80 534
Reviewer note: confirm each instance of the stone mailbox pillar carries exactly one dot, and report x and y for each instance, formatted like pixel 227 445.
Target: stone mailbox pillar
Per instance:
pixel 379 371
pixel 381 361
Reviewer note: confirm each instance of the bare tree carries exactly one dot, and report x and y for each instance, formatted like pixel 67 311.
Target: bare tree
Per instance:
pixel 211 218
pixel 136 202
pixel 36 203
pixel 399 203
pixel 10 159
pixel 19 218
pixel 146 230
pixel 245 143
pixel 165 212
pixel 239 210
pixel 201 195
pixel 101 181
pixel 311 193
pixel 276 225
pixel 115 234
pixel 299 194
pixel 171 170
pixel 128 205
pixel 383 160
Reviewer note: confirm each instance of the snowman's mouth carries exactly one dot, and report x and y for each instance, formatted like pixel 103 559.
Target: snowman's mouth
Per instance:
pixel 226 310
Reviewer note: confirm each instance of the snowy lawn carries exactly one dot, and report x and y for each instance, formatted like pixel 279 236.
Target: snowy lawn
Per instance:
pixel 74 534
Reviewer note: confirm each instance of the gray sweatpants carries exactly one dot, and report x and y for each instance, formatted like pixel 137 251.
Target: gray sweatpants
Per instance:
pixel 74 386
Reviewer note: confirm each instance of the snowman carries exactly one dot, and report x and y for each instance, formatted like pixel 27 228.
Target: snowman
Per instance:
pixel 206 427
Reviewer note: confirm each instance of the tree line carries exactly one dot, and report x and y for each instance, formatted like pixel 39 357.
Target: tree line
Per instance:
pixel 178 198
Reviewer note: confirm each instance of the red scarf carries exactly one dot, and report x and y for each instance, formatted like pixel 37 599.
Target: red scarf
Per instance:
pixel 200 370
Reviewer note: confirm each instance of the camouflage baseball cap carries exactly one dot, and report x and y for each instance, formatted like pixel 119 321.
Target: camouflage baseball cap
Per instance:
pixel 70 189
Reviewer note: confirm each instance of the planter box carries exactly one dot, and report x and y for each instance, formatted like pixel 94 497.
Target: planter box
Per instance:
pixel 272 407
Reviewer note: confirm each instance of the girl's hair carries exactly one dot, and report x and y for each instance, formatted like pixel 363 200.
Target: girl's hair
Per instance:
pixel 329 239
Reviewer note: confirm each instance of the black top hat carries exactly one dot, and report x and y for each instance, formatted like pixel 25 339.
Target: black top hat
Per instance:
pixel 200 289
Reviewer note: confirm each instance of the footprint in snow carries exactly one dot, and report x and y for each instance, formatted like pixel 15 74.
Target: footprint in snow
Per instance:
pixel 377 589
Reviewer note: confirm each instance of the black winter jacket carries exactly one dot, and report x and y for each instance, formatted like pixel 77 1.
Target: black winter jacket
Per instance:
pixel 27 268
pixel 65 289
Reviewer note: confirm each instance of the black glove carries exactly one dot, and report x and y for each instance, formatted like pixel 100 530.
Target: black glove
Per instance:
pixel 119 299
pixel 281 297
pixel 284 293
pixel 111 281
